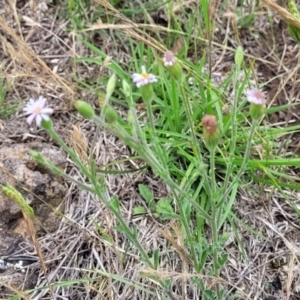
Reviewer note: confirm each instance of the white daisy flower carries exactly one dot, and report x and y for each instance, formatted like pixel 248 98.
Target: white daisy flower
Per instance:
pixel 36 109
pixel 255 96
pixel 144 78
pixel 169 59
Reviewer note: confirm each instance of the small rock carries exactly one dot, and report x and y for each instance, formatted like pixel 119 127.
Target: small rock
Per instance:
pixel 9 242
pixel 42 190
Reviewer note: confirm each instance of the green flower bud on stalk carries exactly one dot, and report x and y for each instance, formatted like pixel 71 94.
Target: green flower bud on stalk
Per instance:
pixel 239 56
pixel 111 84
pixel 130 117
pixel 126 88
pixel 210 131
pixel 110 114
pixel 84 109
pixel 48 164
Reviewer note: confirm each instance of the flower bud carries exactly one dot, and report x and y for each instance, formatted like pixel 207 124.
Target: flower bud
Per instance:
pixel 239 56
pixel 126 88
pixel 111 85
pixel 110 114
pixel 84 109
pixel 172 65
pixel 210 131
pixel 130 117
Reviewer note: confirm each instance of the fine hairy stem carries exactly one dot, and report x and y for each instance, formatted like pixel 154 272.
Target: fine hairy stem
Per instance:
pixel 195 140
pixel 234 128
pixel 177 199
pixel 146 153
pixel 241 170
pixel 70 151
pixel 214 209
pixel 128 232
pixel 154 136
pixel 104 198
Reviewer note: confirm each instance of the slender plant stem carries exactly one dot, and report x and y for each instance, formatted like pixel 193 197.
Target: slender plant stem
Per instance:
pixel 70 151
pixel 214 209
pixel 195 140
pixel 234 128
pixel 212 172
pixel 128 232
pixel 146 153
pixel 177 199
pixel 241 170
pixel 104 198
pixel 154 136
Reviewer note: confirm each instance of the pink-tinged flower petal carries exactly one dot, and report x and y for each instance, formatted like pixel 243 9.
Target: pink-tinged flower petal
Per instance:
pixel 45 117
pixel 42 102
pixel 30 119
pixel 38 120
pixel 152 78
pixel 27 109
pixel 31 101
pixel 47 110
pixel 136 76
pixel 255 96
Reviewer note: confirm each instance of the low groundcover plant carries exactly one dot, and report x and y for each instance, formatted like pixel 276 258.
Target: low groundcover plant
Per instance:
pixel 200 222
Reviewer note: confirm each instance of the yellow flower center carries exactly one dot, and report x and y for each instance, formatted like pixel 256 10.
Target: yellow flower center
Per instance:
pixel 144 75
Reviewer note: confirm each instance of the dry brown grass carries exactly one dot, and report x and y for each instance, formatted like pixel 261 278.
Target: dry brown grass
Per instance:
pixel 283 13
